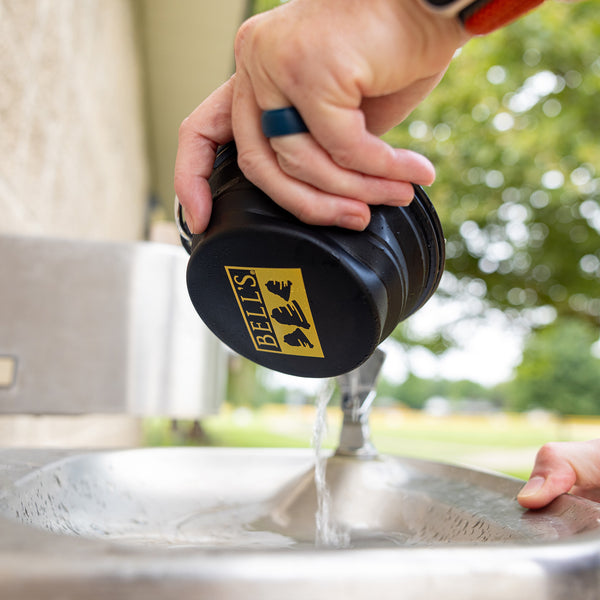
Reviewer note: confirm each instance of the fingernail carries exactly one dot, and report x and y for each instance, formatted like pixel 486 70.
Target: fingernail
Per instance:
pixel 532 487
pixel 357 223
pixel 191 223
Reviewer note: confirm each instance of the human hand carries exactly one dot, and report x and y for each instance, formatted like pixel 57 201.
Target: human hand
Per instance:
pixel 563 467
pixel 353 69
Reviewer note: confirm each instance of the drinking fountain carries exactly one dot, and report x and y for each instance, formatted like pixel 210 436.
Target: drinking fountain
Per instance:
pixel 241 523
pixel 357 390
pixel 102 327
pixel 107 328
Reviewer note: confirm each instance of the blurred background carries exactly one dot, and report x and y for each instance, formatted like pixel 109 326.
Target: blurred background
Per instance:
pixel 506 355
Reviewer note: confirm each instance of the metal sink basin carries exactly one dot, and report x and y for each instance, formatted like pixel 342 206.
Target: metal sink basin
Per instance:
pixel 240 523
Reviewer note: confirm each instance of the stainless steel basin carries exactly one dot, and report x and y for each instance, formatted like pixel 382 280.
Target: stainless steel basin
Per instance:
pixel 240 523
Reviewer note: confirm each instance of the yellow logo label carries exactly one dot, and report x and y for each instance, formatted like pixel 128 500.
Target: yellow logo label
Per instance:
pixel 275 308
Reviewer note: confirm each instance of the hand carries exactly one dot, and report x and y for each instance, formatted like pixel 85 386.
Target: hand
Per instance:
pixel 563 467
pixel 353 69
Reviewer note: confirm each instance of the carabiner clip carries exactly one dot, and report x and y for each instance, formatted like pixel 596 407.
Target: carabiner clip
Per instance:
pixel 185 235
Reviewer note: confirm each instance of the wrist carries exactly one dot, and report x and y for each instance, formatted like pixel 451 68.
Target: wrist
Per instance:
pixel 439 31
pixel 479 17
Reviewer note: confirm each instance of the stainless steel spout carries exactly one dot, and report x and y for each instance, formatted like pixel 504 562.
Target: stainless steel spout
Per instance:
pixel 358 392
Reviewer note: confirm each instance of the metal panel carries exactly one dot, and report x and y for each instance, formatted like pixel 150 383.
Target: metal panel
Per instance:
pixel 101 327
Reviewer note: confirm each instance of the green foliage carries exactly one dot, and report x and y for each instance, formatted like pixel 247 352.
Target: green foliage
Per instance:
pixel 558 371
pixel 246 385
pixel 513 132
pixel 262 5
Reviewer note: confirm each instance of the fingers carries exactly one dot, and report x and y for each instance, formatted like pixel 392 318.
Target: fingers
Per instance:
pixel 306 202
pixel 304 177
pixel 562 467
pixel 199 136
pixel 300 157
pixel 373 173
pixel 259 163
pixel 343 134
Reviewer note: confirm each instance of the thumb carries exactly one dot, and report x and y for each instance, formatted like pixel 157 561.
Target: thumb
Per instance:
pixel 552 475
pixel 199 135
pixel 539 491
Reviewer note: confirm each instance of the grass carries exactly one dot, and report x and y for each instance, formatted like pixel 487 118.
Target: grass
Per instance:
pixel 501 442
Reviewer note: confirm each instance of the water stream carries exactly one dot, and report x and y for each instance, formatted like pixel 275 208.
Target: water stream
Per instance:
pixel 327 534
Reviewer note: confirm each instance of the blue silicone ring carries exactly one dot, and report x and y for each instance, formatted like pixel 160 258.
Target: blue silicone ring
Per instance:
pixel 282 121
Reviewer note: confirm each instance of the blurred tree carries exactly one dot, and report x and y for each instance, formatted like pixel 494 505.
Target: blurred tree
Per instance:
pixel 247 385
pixel 262 5
pixel 415 391
pixel 513 132
pixel 558 372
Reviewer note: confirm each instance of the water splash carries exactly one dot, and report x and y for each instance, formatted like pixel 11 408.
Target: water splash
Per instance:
pixel 327 533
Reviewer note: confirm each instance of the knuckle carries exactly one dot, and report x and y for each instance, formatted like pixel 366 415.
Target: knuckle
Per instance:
pixel 309 212
pixel 247 161
pixel 290 163
pixel 253 46
pixel 549 452
pixel 292 58
pixel 244 32
pixel 184 128
pixel 178 183
pixel 345 156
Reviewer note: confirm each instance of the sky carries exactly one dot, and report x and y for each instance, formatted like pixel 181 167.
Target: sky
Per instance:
pixel 487 351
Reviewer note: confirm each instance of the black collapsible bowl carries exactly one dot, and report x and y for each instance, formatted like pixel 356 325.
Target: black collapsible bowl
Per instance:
pixel 307 300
